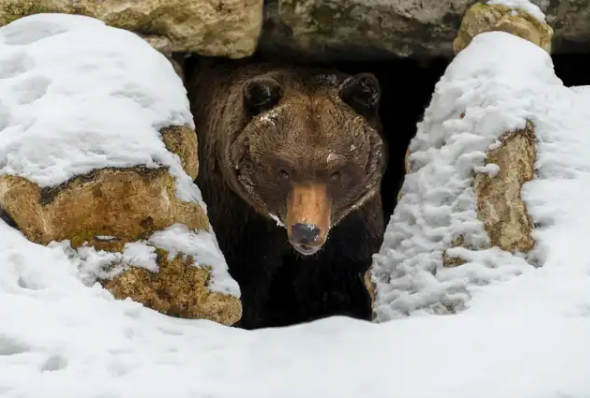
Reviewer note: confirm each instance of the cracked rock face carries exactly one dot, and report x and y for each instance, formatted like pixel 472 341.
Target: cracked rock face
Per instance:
pixel 228 28
pixel 569 19
pixel 382 29
pixel 362 29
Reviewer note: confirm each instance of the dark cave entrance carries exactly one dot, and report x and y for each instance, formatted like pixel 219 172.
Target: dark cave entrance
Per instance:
pixel 572 68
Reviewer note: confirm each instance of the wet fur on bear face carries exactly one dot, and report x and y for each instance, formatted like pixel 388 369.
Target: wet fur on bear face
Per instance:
pixel 310 149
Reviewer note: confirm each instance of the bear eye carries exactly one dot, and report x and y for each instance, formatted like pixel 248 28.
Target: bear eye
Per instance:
pixel 283 174
pixel 335 176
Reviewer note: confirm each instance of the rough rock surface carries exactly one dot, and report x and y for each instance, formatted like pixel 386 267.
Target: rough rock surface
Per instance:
pixel 96 157
pixel 486 18
pixel 345 29
pixel 178 289
pixel 499 198
pixel 499 203
pixel 227 28
pixel 569 19
pixel 127 205
pixel 363 29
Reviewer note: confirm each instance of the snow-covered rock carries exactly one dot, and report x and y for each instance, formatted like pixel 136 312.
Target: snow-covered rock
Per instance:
pixel 97 148
pixel 518 17
pixel 499 84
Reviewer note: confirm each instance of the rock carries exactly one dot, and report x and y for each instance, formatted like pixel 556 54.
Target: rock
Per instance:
pixel 228 28
pixel 129 204
pixel 370 285
pixel 178 289
pixel 499 203
pixel 569 19
pixel 159 43
pixel 462 222
pixel 353 29
pixel 372 30
pixel 486 18
pixel 109 173
pixel 109 208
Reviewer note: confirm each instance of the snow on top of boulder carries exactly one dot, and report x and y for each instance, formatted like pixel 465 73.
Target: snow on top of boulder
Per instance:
pixel 499 81
pixel 77 95
pixel 202 246
pixel 177 239
pixel 523 5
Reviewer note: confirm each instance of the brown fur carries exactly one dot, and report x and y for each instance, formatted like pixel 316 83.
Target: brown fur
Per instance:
pixel 315 156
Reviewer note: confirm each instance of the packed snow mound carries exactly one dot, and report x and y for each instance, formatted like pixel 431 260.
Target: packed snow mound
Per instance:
pixel 499 81
pixel 59 338
pixel 77 95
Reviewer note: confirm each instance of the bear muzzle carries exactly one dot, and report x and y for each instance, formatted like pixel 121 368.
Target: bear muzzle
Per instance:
pixel 308 217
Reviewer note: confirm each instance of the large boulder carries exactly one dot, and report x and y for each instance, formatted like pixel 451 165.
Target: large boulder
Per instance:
pixel 209 27
pixel 93 153
pixel 369 30
pixel 353 29
pixel 570 19
pixel 528 23
pixel 462 221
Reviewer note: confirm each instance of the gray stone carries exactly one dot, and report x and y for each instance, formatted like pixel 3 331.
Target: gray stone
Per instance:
pixel 571 21
pixel 386 29
pixel 362 29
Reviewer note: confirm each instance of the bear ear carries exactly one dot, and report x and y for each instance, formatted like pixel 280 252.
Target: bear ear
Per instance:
pixel 362 92
pixel 261 94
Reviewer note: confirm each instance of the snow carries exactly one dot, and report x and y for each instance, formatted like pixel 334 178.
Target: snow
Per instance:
pixel 76 95
pixel 524 330
pixel 523 5
pixel 64 339
pixel 277 220
pixel 177 239
pixel 499 81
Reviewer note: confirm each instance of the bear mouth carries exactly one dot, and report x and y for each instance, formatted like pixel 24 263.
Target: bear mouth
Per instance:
pixel 306 250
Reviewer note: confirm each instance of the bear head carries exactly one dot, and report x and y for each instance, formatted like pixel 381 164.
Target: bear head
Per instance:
pixel 308 149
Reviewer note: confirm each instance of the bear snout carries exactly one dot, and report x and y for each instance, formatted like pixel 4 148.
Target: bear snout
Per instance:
pixel 305 234
pixel 308 217
pixel 304 238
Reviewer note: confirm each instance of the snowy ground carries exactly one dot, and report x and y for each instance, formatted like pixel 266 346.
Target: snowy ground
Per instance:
pixel 524 333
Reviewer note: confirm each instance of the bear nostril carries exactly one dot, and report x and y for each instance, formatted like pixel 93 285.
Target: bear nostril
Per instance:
pixel 305 234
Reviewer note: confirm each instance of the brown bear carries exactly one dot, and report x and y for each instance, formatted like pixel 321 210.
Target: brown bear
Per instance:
pixel 291 160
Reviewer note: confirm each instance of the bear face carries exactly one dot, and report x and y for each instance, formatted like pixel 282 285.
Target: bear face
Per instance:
pixel 309 150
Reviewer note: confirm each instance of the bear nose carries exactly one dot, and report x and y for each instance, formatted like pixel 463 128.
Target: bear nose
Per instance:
pixel 305 234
